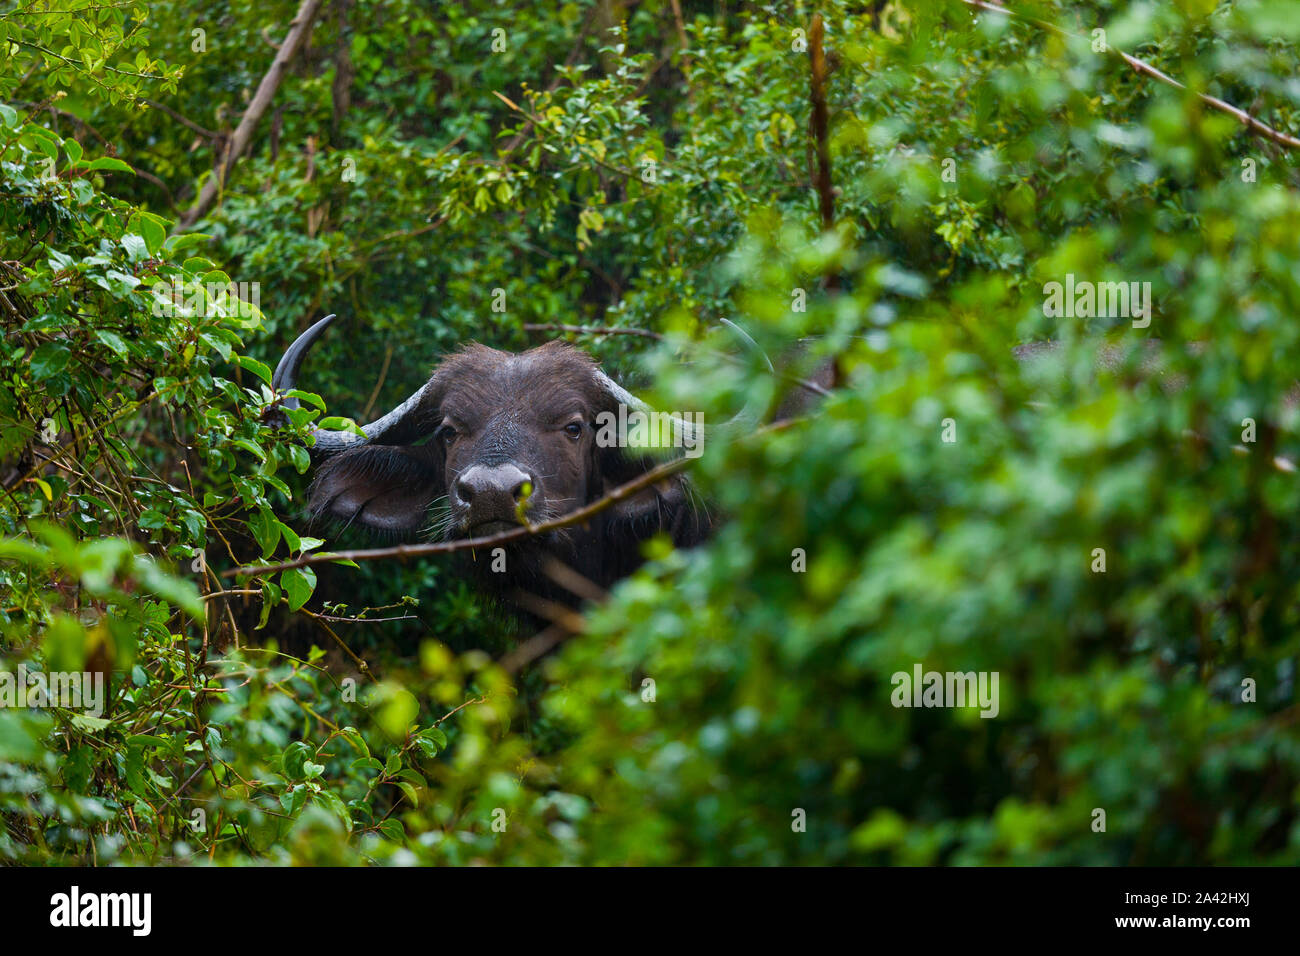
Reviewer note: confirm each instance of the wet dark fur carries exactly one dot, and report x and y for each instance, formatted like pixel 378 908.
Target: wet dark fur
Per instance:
pixel 506 404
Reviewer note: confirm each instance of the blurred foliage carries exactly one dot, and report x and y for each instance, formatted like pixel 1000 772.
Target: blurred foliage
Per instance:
pixel 650 166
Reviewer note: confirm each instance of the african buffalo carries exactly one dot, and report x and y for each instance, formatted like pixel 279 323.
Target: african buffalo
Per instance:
pixel 492 436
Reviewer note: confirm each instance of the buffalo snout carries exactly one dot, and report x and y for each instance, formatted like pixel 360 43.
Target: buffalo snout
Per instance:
pixel 488 496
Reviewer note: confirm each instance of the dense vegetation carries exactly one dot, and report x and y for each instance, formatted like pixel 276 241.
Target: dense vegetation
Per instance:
pixel 443 173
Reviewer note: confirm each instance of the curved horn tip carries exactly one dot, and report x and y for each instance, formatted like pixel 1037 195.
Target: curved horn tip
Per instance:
pixel 286 372
pixel 749 339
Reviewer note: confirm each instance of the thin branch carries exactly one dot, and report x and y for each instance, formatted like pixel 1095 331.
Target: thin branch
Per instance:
pixel 821 125
pixel 383 374
pixel 533 648
pixel 190 124
pixel 472 700
pixel 1254 125
pixel 252 116
pixel 541 124
pixel 216 594
pixel 404 233
pixel 572 58
pixel 591 330
pixel 79 66
pixel 403 551
pixel 365 620
pixel 319 619
pixel 54 110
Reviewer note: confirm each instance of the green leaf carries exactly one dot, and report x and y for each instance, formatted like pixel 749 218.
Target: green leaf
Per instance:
pixel 393 830
pixel 20 549
pixel 367 763
pixel 335 803
pixel 154 231
pixel 152 520
pixel 135 246
pixel 113 341
pixel 270 598
pixel 49 359
pixel 291 539
pixel 293 760
pixel 266 530
pixel 90 724
pixel 259 369
pixel 64 644
pixel 435 735
pixel 300 457
pixel 335 423
pixel 311 398
pixel 298 584
pixel 251 448
pixel 181 592
pixel 110 163
pixel 292 799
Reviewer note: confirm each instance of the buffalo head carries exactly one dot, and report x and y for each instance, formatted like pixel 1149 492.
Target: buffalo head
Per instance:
pixel 491 438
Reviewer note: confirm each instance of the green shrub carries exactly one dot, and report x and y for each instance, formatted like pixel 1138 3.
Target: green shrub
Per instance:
pixel 948 506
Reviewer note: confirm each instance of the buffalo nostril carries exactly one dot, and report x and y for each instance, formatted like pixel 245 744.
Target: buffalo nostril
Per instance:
pixel 492 492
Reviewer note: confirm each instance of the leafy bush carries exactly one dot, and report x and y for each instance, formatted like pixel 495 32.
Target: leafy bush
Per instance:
pixel 1107 527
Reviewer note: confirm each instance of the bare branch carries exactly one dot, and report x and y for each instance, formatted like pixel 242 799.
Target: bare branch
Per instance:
pixel 1254 125
pixel 533 648
pixel 591 330
pixel 403 551
pixel 821 125
pixel 188 123
pixel 261 101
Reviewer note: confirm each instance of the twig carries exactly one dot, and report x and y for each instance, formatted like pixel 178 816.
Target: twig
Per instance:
pixel 1254 125
pixel 520 136
pixel 361 664
pixel 216 594
pixel 366 620
pixel 188 123
pixel 821 124
pixel 452 713
pixel 405 233
pixel 592 330
pixel 383 374
pixel 54 110
pixel 541 123
pixel 403 551
pixel 533 648
pixel 261 100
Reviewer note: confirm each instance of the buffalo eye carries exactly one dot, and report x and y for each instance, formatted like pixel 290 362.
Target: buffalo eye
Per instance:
pixel 573 430
pixel 446 434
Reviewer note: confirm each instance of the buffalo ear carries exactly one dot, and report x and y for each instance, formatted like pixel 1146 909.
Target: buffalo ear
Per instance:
pixel 669 505
pixel 386 488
